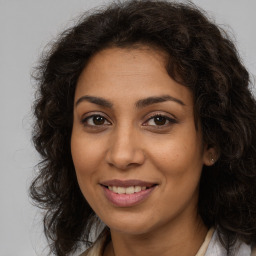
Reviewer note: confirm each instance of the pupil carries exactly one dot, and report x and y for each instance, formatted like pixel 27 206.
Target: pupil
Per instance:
pixel 98 120
pixel 160 120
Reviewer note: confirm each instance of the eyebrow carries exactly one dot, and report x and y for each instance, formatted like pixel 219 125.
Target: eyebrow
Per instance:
pixel 96 100
pixel 157 99
pixel 139 104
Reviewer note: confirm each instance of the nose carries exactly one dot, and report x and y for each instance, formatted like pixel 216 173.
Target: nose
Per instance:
pixel 125 149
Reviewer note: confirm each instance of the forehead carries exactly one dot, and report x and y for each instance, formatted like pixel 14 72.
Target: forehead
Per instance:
pixel 126 61
pixel 122 72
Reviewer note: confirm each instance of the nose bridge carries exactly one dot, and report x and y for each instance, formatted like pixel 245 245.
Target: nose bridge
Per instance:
pixel 124 147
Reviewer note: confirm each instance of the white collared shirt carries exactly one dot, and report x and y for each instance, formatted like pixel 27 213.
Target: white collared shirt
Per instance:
pixel 210 247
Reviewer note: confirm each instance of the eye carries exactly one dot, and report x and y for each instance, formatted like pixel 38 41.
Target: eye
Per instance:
pixel 159 120
pixel 95 120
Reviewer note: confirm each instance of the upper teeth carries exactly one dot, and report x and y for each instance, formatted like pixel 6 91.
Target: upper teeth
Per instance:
pixel 128 190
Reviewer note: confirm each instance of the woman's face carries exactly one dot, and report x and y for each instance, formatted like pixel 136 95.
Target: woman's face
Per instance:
pixel 136 149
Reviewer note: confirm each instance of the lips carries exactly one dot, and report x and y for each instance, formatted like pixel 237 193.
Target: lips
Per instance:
pixel 126 193
pixel 127 183
pixel 128 190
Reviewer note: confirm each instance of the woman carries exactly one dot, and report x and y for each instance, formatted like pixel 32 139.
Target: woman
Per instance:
pixel 145 122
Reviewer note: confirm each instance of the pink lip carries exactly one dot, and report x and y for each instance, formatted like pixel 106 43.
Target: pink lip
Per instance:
pixel 127 200
pixel 126 183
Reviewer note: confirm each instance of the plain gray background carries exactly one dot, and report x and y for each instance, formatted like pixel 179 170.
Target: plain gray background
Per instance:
pixel 26 26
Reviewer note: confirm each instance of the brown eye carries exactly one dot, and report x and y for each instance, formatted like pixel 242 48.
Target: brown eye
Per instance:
pixel 98 120
pixel 160 120
pixel 95 120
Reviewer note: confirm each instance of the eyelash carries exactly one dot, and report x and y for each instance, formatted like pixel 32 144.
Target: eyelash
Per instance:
pixel 85 120
pixel 167 119
pixel 170 121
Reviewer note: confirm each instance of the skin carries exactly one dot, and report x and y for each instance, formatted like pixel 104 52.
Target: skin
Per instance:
pixel 129 143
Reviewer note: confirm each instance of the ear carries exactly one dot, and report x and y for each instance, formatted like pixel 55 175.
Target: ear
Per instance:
pixel 210 155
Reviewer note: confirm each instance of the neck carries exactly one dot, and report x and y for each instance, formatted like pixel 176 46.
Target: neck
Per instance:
pixel 168 240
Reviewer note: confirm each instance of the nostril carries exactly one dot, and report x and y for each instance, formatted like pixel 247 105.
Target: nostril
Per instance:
pixel 126 159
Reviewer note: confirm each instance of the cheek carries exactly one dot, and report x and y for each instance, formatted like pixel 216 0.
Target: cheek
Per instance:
pixel 180 163
pixel 85 152
pixel 178 156
pixel 86 161
pixel 177 153
pixel 85 157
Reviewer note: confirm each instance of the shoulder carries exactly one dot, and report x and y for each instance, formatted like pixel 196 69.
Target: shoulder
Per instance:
pixel 98 246
pixel 84 253
pixel 240 248
pixel 253 250
pixel 96 250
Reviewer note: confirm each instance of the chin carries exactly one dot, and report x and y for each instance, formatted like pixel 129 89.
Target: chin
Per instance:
pixel 131 225
pixel 133 230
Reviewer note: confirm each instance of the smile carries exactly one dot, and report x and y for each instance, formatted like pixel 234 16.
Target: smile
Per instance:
pixel 127 193
pixel 128 190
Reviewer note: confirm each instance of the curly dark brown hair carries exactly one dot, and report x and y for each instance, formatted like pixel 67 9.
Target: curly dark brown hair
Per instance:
pixel 201 57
